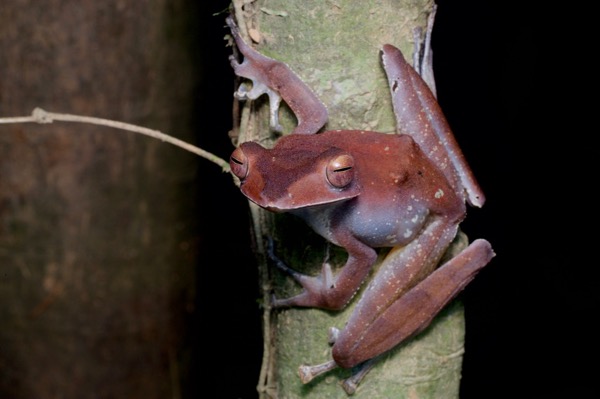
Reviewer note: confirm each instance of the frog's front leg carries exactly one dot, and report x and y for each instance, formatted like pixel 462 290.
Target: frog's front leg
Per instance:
pixel 328 291
pixel 278 81
pixel 412 264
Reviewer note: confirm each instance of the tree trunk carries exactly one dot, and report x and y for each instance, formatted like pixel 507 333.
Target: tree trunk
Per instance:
pixel 97 226
pixel 335 48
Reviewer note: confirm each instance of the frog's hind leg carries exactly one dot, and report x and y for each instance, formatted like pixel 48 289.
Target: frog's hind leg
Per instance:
pixel 406 317
pixel 419 115
pixel 413 312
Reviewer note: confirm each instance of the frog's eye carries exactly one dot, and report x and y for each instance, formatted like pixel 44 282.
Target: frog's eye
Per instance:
pixel 340 170
pixel 238 161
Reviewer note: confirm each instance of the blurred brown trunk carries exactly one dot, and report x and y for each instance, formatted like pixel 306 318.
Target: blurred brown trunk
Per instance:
pixel 96 226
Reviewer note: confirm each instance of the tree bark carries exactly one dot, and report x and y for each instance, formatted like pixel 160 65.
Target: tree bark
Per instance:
pixel 334 47
pixel 97 226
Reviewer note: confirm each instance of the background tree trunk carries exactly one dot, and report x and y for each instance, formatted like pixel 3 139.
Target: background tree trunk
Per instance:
pixel 335 50
pixel 98 228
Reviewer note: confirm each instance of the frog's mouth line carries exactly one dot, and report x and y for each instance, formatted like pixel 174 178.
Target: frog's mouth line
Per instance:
pixel 291 208
pixel 289 205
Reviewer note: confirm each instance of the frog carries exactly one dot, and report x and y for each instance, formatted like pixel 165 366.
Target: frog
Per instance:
pixel 362 191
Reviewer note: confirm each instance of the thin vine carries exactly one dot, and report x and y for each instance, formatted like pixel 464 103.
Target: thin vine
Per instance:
pixel 41 116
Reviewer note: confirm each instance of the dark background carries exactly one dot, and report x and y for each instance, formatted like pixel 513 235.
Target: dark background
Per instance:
pixel 509 80
pixel 513 102
pixel 516 81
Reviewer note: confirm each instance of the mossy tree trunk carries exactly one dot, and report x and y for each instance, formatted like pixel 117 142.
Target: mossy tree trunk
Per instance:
pixel 334 46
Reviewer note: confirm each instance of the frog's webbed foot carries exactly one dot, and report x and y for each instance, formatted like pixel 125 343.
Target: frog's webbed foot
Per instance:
pixel 274 102
pixel 315 288
pixel 327 291
pixel 308 373
pixel 350 385
pixel 257 89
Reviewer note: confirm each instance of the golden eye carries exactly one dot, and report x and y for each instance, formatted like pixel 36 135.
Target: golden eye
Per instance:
pixel 239 163
pixel 340 170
